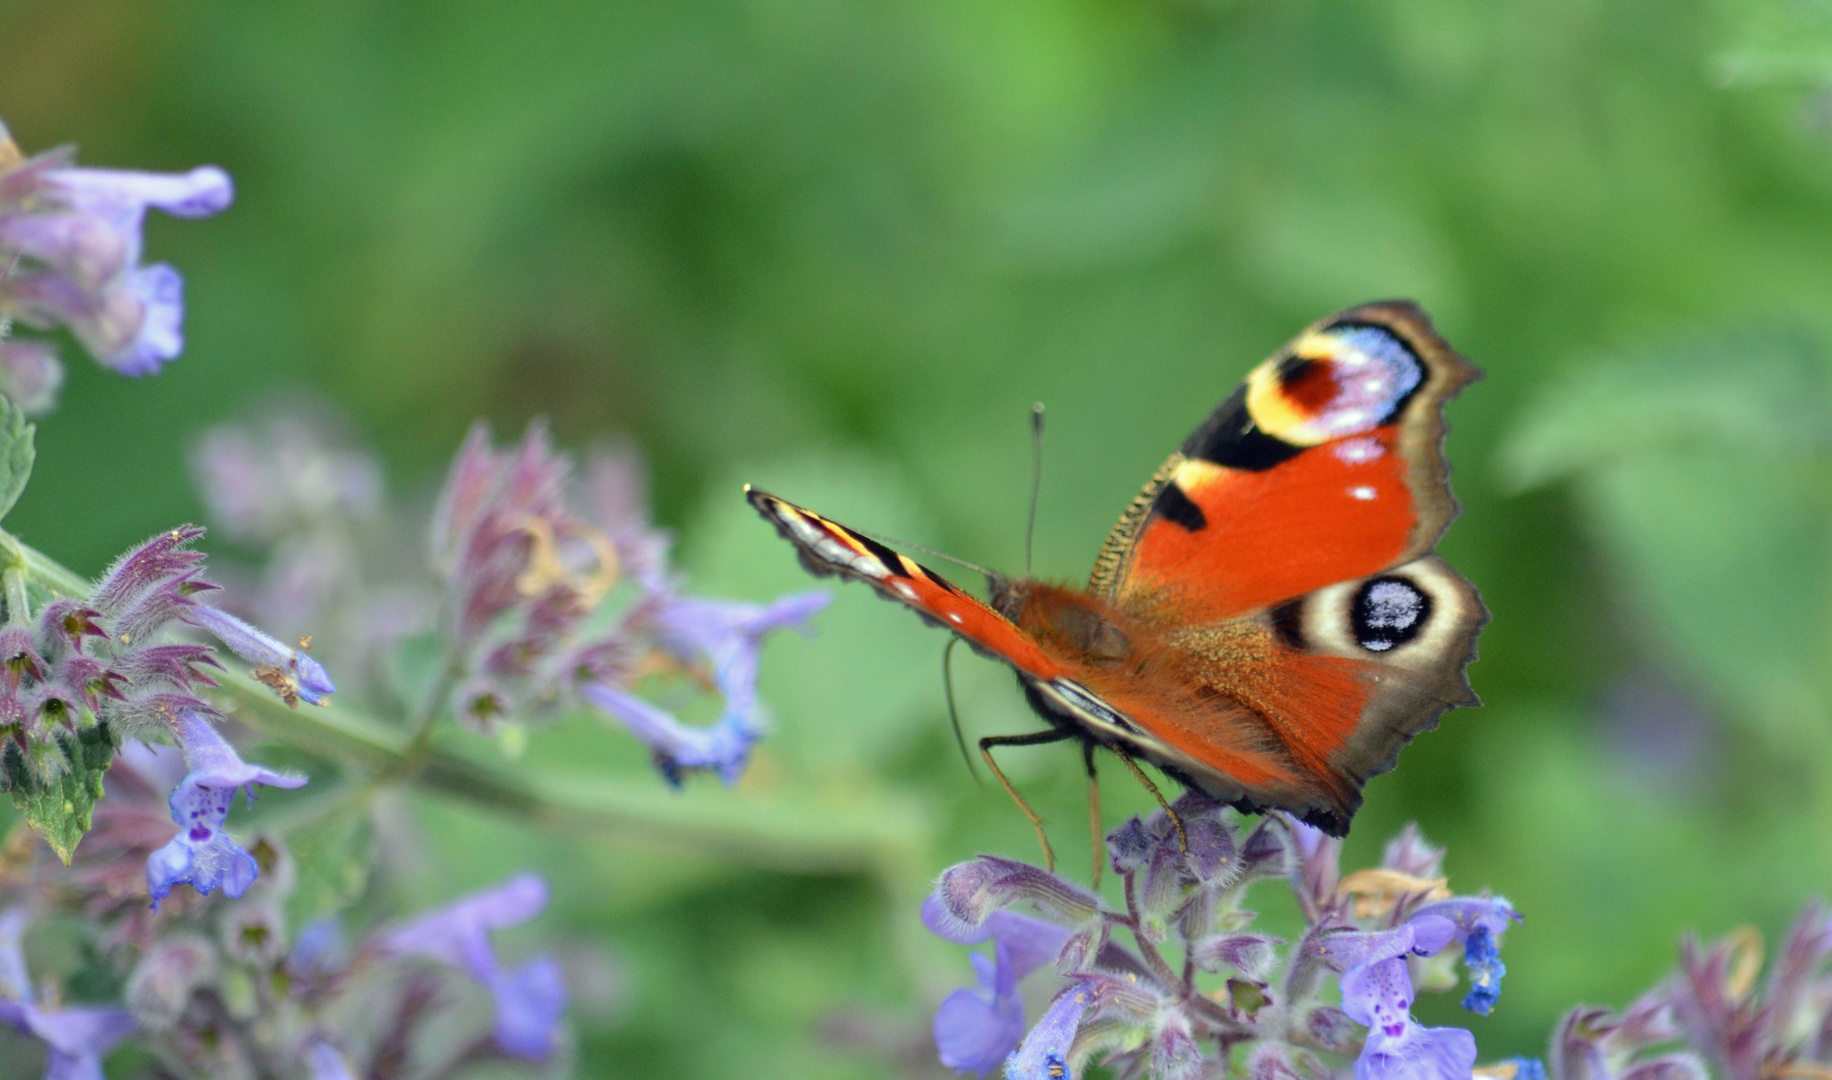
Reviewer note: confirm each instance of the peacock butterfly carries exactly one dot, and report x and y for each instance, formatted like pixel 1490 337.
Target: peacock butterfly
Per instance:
pixel 1267 622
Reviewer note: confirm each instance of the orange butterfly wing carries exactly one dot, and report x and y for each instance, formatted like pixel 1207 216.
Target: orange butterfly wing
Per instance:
pixel 1325 465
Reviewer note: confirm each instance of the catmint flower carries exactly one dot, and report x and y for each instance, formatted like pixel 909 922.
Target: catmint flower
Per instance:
pixel 325 1063
pixel 1485 971
pixel 288 671
pixel 523 575
pixel 728 636
pixel 202 854
pixel 1044 1054
pixel 1142 1011
pixel 1398 1047
pixel 531 1000
pixel 159 990
pixel 75 1037
pixel 285 474
pixel 30 375
pixel 976 1031
pixel 1377 988
pixel 616 499
pixel 77 235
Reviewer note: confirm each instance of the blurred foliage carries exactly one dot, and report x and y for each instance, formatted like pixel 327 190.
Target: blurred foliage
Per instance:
pixel 837 249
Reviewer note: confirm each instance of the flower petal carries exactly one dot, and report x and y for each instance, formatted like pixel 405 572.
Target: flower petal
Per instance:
pixel 975 1031
pixel 1422 1054
pixel 530 1003
pixel 458 933
pixel 1044 1054
pixel 288 669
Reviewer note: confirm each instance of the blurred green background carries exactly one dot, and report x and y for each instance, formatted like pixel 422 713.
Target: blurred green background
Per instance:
pixel 837 249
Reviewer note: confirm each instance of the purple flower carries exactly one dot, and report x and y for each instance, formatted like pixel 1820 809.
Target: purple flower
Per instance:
pixel 975 1031
pixel 79 232
pixel 531 1000
pixel 616 500
pixel 30 375
pixel 324 1062
pixel 287 473
pixel 1044 1054
pixel 1377 987
pixel 971 893
pixel 728 636
pixel 1379 995
pixel 75 1037
pixel 1485 971
pixel 291 673
pixel 202 854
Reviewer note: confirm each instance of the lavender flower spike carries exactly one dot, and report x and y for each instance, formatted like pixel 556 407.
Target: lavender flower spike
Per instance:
pixel 531 1000
pixel 202 854
pixel 75 1037
pixel 291 673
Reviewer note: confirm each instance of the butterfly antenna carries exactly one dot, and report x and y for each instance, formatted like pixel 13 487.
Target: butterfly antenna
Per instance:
pixel 1030 522
pixel 894 542
pixel 954 716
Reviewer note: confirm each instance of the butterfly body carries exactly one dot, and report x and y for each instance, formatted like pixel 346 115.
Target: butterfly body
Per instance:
pixel 1267 622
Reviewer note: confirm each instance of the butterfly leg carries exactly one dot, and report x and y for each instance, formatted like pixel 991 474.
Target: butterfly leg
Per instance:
pixel 954 716
pixel 1100 848
pixel 1035 738
pixel 1183 840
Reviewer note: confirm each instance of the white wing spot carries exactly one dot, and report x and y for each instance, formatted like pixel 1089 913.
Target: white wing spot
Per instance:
pixel 954 617
pixel 823 544
pixel 1358 451
pixel 1393 606
pixel 1364 493
pixel 904 590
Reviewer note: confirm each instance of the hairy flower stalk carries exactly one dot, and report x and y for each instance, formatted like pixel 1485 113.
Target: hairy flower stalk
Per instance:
pixel 70 245
pixel 1196 985
pixel 119 664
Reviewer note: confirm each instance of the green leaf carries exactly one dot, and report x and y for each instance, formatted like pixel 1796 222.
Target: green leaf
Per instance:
pixel 1760 391
pixel 57 785
pixel 16 454
pixel 1701 469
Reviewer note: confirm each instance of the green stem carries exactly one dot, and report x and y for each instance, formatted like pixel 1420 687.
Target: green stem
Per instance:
pixel 18 607
pixel 783 833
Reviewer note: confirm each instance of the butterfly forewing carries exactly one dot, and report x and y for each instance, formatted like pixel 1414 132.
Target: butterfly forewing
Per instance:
pixel 1323 466
pixel 829 548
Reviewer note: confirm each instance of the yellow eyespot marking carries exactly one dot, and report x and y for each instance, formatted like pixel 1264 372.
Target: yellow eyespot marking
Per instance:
pixel 1276 414
pixel 1193 474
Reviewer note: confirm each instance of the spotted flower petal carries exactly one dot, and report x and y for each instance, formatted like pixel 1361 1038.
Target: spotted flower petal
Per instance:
pixel 202 854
